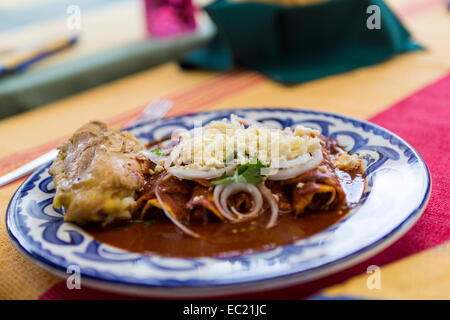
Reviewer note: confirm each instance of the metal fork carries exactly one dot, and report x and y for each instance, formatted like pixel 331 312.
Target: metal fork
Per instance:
pixel 155 110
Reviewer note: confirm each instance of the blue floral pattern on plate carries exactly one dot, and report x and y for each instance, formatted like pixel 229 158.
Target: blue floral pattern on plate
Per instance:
pixel 398 187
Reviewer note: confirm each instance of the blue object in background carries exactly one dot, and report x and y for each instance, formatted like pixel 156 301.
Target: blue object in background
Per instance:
pixel 23 60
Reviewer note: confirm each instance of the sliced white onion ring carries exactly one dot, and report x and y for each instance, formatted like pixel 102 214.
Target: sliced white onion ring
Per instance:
pixel 267 194
pixel 172 157
pixel 223 192
pixel 251 189
pixel 153 157
pixel 181 226
pixel 189 174
pixel 304 158
pixel 216 198
pixel 287 173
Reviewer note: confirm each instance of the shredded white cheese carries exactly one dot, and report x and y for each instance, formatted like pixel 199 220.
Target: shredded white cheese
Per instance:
pixel 347 162
pixel 220 142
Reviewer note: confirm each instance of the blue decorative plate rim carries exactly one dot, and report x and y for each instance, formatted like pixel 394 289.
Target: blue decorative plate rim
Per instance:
pixel 59 264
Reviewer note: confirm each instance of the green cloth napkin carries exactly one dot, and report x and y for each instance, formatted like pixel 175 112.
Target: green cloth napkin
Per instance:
pixel 293 44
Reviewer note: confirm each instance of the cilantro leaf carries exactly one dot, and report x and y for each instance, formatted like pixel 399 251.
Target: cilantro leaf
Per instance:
pixel 157 151
pixel 223 179
pixel 252 173
pixel 128 224
pixel 249 172
pixel 149 223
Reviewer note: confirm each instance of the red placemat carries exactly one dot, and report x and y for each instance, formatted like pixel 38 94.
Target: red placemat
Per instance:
pixel 423 120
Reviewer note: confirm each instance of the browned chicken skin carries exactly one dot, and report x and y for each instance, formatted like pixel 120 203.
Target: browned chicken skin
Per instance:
pixel 97 174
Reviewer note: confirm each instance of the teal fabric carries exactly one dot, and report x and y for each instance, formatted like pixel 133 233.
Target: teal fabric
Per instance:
pixel 294 44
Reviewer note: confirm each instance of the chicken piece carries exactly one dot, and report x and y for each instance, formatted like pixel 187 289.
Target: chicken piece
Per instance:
pixel 98 173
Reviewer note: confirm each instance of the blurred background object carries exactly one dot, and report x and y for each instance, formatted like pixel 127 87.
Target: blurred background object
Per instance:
pixel 169 17
pixel 113 42
pixel 52 49
pixel 287 2
pixel 16 59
